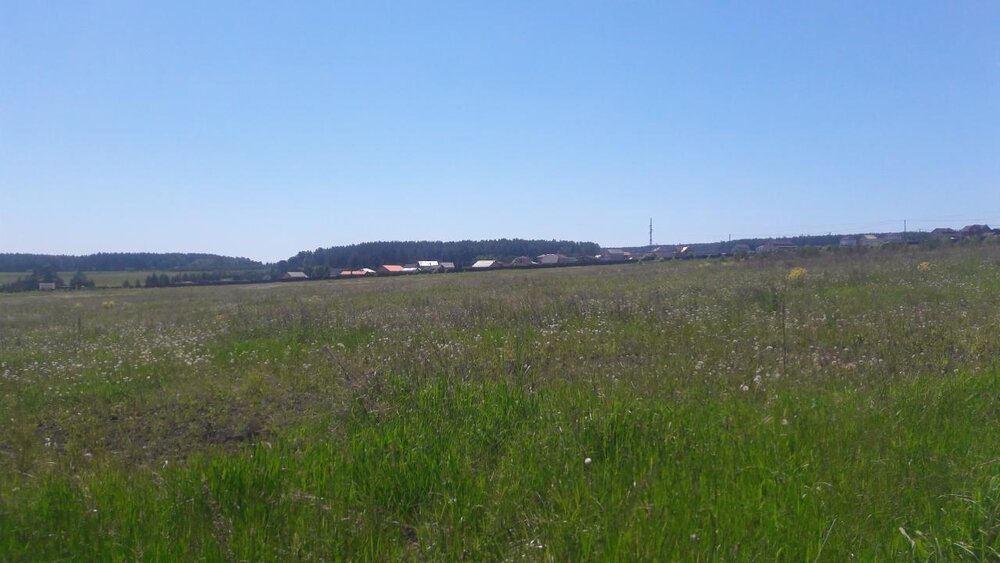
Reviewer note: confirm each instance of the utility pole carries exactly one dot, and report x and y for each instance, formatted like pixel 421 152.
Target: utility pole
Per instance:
pixel 904 226
pixel 651 232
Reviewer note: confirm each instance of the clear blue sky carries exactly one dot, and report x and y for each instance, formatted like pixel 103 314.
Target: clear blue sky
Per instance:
pixel 263 128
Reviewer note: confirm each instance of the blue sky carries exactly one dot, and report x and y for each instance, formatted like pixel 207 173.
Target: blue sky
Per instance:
pixel 263 128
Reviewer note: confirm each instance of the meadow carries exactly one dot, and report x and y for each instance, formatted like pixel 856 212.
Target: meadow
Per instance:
pixel 101 279
pixel 842 406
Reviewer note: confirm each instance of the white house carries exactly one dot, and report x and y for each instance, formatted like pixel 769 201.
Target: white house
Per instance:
pixel 553 259
pixel 614 255
pixel 429 266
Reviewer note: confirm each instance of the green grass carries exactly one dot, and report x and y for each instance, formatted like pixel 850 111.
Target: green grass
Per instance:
pixel 100 279
pixel 728 414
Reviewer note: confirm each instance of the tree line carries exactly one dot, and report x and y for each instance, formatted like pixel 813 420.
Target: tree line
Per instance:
pixel 79 280
pixel 205 278
pixel 124 261
pixel 46 274
pixel 463 252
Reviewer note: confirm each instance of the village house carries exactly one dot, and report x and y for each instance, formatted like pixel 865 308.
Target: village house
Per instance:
pixel 46 286
pixel 390 270
pixel 975 231
pixel 360 273
pixel 665 252
pixel 294 276
pixel 776 246
pixel 614 255
pixel 521 262
pixel 964 232
pixel 848 242
pixel 430 266
pixel 486 265
pixel 707 250
pixel 870 241
pixel 447 266
pixel 556 260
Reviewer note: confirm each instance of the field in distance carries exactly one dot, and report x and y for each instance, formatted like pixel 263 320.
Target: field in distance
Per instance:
pixel 838 407
pixel 100 279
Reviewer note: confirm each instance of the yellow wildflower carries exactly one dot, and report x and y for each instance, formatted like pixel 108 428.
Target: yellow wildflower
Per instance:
pixel 924 266
pixel 797 273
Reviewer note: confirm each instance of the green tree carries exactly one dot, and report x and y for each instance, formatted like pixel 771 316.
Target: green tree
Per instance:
pixel 319 272
pixel 46 274
pixel 80 280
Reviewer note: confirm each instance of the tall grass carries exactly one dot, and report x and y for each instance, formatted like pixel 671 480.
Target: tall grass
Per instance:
pixel 726 411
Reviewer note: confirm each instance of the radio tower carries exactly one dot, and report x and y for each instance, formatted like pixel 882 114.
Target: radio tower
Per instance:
pixel 650 232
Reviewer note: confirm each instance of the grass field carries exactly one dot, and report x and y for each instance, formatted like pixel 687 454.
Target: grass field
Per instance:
pixel 834 408
pixel 100 279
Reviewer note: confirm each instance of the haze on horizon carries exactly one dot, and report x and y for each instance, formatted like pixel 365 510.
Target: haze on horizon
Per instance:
pixel 259 130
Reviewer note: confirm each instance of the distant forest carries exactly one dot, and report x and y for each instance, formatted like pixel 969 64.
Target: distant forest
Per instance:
pixel 804 241
pixel 462 253
pixel 124 261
